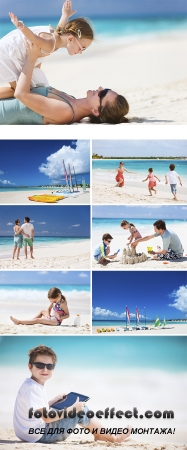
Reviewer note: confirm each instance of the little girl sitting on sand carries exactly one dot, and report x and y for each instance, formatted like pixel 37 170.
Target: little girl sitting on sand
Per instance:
pixel 134 233
pixel 75 35
pixel 54 315
pixel 152 181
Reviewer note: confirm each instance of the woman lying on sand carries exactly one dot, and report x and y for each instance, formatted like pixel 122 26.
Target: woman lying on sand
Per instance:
pixel 46 105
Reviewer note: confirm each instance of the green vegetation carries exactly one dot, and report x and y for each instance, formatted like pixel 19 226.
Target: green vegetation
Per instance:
pixel 96 156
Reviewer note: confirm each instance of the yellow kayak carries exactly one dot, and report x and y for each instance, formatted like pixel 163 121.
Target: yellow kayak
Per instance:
pixel 44 198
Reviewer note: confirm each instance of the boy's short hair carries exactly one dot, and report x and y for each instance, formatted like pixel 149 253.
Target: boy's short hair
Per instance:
pixel 106 236
pixel 160 224
pixel 41 350
pixel 27 219
pixel 172 166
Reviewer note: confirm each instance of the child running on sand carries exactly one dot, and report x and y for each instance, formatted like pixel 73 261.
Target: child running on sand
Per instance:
pixel 32 396
pixel 75 35
pixel 55 313
pixel 134 233
pixel 173 178
pixel 103 250
pixel 152 181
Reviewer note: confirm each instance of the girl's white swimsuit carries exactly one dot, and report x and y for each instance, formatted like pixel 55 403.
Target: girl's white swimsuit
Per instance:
pixel 13 56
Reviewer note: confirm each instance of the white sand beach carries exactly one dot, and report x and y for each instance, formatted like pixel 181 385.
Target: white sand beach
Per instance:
pixel 65 256
pixel 43 329
pixel 150 73
pixel 134 193
pixel 171 329
pixel 10 441
pixel 21 198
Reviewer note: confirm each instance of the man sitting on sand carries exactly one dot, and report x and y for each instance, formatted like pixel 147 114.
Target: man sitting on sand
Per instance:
pixel 103 250
pixel 172 246
pixel 27 229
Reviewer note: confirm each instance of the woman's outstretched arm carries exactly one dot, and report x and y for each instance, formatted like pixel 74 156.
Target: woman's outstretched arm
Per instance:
pixel 54 111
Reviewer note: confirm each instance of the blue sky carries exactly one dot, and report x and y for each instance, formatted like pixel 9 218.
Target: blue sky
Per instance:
pixel 124 8
pixel 140 212
pixel 64 221
pixel 154 291
pixel 165 353
pixel 45 277
pixel 139 148
pixel 45 161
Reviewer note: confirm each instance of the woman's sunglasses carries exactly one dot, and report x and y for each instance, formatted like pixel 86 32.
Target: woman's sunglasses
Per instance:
pixel 40 365
pixel 101 95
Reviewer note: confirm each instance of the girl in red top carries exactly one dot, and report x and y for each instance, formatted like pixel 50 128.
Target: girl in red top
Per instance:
pixel 152 181
pixel 120 177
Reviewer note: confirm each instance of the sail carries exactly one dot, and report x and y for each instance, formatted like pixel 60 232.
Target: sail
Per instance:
pixel 137 316
pixel 128 314
pixel 157 322
pixel 164 323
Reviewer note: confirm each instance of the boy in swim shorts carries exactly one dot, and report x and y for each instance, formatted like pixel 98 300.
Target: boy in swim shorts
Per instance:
pixel 103 250
pixel 173 178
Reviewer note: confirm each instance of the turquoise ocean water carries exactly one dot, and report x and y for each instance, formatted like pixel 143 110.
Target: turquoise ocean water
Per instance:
pixel 30 189
pixel 7 242
pixel 114 224
pixel 160 167
pixel 107 28
pixel 35 293
pixel 122 323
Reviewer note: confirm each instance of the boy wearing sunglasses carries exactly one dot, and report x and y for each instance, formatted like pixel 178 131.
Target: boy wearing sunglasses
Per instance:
pixel 103 250
pixel 32 396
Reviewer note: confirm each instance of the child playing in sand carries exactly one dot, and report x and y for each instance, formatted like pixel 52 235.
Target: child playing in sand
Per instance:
pixel 152 181
pixel 54 315
pixel 75 35
pixel 173 178
pixel 32 396
pixel 103 250
pixel 134 233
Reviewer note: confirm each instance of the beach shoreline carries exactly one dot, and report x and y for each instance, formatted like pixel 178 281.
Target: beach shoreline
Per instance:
pixel 21 198
pixel 171 329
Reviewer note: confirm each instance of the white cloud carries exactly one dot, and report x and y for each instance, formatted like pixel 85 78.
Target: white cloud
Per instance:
pixel 77 225
pixel 41 223
pixel 106 312
pixel 79 158
pixel 45 231
pixel 10 223
pixel 7 182
pixel 180 299
pixel 31 221
pixel 83 275
pixel 1 172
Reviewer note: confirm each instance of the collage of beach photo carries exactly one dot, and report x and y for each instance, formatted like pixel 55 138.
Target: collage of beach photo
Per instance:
pixel 93 224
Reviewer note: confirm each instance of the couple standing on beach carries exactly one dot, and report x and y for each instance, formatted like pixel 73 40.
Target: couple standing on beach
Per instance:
pixel 23 236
